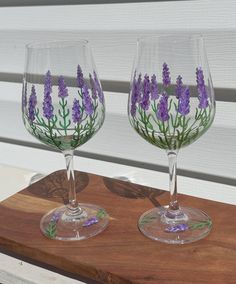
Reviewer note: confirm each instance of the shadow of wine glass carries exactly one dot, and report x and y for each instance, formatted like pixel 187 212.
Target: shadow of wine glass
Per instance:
pixel 123 187
pixel 55 186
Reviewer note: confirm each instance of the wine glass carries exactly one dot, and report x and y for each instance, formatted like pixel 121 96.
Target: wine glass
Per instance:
pixel 171 104
pixel 63 107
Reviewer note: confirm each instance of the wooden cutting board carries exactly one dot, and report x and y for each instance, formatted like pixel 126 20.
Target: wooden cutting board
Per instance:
pixel 120 254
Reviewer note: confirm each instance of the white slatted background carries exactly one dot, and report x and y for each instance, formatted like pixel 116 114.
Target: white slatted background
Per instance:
pixel 207 168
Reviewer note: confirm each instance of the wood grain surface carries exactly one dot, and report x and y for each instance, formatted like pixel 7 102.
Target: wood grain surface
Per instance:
pixel 121 254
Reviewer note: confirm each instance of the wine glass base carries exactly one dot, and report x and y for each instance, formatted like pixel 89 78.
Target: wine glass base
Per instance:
pixel 59 226
pixel 190 226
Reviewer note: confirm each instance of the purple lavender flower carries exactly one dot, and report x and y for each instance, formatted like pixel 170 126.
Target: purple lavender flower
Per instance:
pixel 55 217
pixel 162 111
pixel 145 102
pixel 135 93
pixel 134 98
pixel 177 228
pixel 93 87
pixel 90 221
pixel 76 112
pixel 24 96
pixel 184 102
pixel 154 88
pixel 202 92
pixel 98 88
pixel 47 102
pixel 166 75
pixel 80 77
pixel 87 101
pixel 179 87
pixel 139 88
pixel 62 88
pixel 32 104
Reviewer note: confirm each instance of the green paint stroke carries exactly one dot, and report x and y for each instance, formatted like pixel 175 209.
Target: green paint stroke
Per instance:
pixel 177 132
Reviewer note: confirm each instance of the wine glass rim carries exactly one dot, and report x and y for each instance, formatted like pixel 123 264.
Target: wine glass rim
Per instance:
pixel 178 36
pixel 55 44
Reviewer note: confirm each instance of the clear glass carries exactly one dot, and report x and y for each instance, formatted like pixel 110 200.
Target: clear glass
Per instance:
pixel 171 104
pixel 63 106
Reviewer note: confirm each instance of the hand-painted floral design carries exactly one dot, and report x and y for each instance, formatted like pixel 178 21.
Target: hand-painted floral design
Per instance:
pixel 164 114
pixel 185 226
pixel 95 219
pixel 91 221
pixel 51 230
pixel 65 119
pixel 32 104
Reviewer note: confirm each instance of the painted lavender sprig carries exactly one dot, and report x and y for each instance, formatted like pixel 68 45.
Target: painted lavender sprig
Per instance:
pixel 32 104
pixel 76 111
pixel 135 93
pixel 62 88
pixel 162 111
pixel 154 88
pixel 91 221
pixel 145 102
pixel 202 91
pixel 51 229
pixel 182 227
pixel 80 77
pixel 47 102
pixel 177 228
pixel 184 102
pixel 179 87
pixel 93 87
pixel 64 112
pixel 87 101
pixel 98 88
pixel 166 75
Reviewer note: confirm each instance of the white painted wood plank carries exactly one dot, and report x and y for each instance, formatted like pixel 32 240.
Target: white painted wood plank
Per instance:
pixel 174 15
pixel 114 51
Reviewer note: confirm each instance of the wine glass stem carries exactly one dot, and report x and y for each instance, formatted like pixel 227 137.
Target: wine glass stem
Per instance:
pixel 72 206
pixel 172 157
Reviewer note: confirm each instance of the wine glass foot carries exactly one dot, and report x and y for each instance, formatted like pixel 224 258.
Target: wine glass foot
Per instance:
pixel 193 226
pixel 88 223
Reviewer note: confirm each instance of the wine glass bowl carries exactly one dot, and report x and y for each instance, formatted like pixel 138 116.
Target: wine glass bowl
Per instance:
pixel 63 107
pixel 171 104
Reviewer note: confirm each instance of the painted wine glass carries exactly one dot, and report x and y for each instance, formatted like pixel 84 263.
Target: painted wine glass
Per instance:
pixel 171 105
pixel 63 107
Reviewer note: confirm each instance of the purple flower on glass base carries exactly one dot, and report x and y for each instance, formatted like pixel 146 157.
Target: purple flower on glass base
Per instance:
pixel 184 102
pixel 76 112
pixel 145 102
pixel 55 217
pixel 90 221
pixel 179 87
pixel 166 75
pixel 202 92
pixel 62 88
pixel 177 228
pixel 162 111
pixel 47 102
pixel 87 101
pixel 154 88
pixel 32 104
